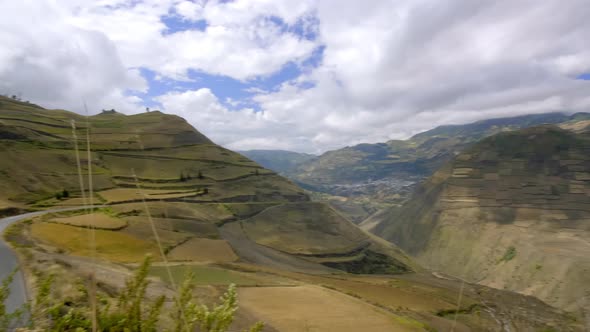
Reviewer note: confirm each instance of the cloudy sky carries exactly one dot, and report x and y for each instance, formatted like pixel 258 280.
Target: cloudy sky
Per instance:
pixel 300 75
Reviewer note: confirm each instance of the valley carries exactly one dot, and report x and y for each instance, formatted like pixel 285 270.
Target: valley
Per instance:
pixel 152 184
pixel 364 179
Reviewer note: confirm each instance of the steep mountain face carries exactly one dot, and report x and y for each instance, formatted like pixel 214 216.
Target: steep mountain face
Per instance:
pixel 511 212
pixel 280 161
pixel 195 189
pixel 389 167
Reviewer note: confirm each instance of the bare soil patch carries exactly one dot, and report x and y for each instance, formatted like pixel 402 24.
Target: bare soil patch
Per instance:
pixel 203 250
pixel 312 308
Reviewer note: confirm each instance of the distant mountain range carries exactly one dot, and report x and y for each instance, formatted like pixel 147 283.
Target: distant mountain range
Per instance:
pixel 419 156
pixel 369 175
pixel 280 161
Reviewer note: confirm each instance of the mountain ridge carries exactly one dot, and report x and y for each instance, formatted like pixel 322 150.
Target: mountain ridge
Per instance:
pixel 419 155
pixel 510 212
pixel 180 172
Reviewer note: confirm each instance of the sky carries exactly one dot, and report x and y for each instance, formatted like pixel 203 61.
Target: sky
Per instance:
pixel 303 75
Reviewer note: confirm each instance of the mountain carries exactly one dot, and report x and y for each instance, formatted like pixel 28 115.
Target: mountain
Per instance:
pixel 511 212
pixel 197 189
pixel 226 219
pixel 341 172
pixel 280 161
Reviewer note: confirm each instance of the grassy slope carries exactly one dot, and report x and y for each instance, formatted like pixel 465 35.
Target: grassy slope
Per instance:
pixel 45 164
pixel 191 184
pixel 511 212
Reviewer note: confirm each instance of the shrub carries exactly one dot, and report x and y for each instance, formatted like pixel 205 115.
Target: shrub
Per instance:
pixel 134 312
pixel 508 255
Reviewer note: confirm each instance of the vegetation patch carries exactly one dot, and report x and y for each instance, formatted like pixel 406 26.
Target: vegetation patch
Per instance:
pixel 410 322
pixel 508 255
pixel 370 263
pixel 451 312
pixel 11 211
pixel 133 310
pixel 110 245
pixel 14 235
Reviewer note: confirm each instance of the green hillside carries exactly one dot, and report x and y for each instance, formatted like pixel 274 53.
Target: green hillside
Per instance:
pixel 194 188
pixel 511 212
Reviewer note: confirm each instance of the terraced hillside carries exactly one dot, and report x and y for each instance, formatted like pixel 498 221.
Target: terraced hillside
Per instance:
pixel 511 212
pixel 197 192
pixel 365 177
pixel 225 218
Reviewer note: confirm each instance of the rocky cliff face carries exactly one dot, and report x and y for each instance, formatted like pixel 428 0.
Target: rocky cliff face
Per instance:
pixel 512 212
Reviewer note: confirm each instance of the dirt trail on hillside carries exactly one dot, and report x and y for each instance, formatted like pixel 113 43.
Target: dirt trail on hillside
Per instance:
pixel 252 252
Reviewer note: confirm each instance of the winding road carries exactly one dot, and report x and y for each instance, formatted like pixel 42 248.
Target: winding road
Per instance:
pixel 9 261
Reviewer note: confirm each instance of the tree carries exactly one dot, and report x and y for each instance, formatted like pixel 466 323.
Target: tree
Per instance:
pixel 65 193
pixel 182 178
pixel 205 191
pixel 147 109
pixel 200 175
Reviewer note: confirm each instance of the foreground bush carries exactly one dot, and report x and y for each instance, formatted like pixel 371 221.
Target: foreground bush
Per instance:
pixel 133 311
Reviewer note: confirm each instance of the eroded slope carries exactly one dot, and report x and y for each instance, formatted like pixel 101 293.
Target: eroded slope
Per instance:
pixel 512 212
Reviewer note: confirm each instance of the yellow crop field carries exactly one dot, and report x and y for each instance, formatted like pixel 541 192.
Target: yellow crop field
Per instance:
pixel 96 220
pixel 312 308
pixel 110 245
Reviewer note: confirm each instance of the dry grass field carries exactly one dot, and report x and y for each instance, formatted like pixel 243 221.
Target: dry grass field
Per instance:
pixel 132 194
pixel 304 228
pixel 94 220
pixel 206 275
pixel 203 250
pixel 312 308
pixel 113 246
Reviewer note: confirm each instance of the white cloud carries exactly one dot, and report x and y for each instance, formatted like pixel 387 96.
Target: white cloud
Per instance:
pixel 237 130
pixel 59 65
pixel 240 41
pixel 393 68
pixel 389 68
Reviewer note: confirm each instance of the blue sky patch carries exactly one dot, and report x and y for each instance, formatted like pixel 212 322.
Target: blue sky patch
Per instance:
pixel 175 24
pixel 232 93
pixel 585 76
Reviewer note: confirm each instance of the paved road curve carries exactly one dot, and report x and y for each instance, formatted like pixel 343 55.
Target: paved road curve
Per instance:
pixel 9 261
